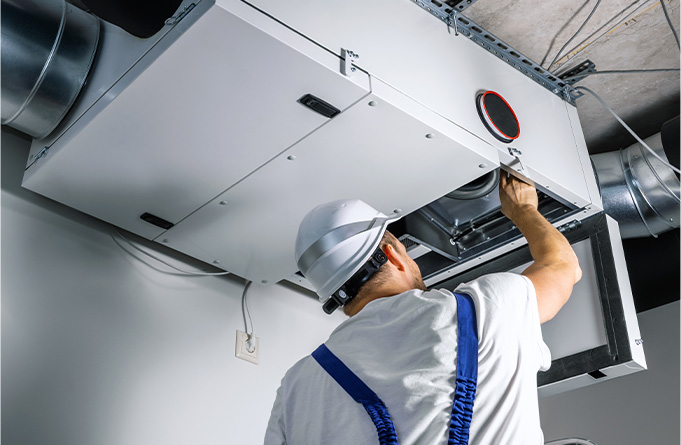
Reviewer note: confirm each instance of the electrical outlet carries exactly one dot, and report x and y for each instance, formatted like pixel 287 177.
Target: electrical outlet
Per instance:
pixel 242 347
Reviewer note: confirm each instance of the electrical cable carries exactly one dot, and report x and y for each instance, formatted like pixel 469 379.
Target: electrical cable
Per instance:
pixel 244 311
pixel 651 70
pixel 548 50
pixel 574 35
pixel 581 46
pixel 118 243
pixel 144 252
pixel 629 129
pixel 669 21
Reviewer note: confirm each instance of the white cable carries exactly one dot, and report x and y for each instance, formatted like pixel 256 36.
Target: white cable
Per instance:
pixel 144 252
pixel 123 248
pixel 244 310
pixel 629 129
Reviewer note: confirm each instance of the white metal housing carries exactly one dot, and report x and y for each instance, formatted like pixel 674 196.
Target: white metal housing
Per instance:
pixel 200 126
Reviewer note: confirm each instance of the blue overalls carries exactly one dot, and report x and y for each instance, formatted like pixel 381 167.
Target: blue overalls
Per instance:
pixel 466 381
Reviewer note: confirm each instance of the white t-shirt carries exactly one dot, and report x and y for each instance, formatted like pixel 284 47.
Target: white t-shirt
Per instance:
pixel 404 348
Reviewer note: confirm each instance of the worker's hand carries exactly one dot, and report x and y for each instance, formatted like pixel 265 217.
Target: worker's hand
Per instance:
pixel 516 196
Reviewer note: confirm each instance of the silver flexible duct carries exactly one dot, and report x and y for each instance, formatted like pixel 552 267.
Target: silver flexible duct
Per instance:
pixel 47 49
pixel 640 192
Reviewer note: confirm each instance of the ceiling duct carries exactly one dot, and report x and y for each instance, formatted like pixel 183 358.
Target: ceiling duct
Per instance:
pixel 638 190
pixel 47 49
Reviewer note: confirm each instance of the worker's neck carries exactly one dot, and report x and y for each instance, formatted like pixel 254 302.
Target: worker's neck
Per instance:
pixel 387 289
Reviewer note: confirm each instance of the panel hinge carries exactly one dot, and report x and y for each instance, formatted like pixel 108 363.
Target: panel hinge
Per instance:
pixel 517 154
pixel 40 154
pixel 177 18
pixel 569 226
pixel 348 59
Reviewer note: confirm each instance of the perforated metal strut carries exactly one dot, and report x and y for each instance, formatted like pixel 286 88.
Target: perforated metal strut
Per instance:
pixel 450 13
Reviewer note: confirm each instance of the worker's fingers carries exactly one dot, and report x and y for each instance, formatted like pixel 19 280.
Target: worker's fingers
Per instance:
pixel 503 179
pixel 515 193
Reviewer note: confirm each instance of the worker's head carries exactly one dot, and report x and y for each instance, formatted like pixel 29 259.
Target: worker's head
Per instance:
pixel 340 247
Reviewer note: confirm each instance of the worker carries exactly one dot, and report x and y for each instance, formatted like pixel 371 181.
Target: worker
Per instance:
pixel 413 366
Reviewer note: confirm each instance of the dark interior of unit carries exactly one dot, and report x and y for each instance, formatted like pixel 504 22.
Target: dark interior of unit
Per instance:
pixel 451 231
pixel 141 18
pixel 617 349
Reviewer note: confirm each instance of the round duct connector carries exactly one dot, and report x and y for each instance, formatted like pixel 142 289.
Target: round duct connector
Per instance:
pixel 47 49
pixel 638 190
pixel 482 186
pixel 498 116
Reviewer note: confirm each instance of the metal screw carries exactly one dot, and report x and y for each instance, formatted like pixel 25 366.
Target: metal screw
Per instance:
pixel 429 136
pixel 223 203
pixel 483 165
pixel 264 281
pixel 353 69
pixel 372 104
pixel 216 262
pixel 291 158
pixel 397 211
pixel 165 240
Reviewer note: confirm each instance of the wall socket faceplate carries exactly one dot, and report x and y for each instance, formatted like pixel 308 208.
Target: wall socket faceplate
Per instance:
pixel 241 350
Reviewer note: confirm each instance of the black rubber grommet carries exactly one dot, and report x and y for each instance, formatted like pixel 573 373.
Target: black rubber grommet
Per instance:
pixel 497 116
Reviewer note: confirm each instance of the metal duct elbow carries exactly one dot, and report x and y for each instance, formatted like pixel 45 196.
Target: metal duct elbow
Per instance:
pixel 47 49
pixel 638 190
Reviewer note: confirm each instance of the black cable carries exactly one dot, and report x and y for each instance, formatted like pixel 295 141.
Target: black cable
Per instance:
pixel 652 70
pixel 669 20
pixel 548 50
pixel 574 35
pixel 626 17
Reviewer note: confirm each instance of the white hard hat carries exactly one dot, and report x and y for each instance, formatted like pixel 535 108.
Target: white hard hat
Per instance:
pixel 335 240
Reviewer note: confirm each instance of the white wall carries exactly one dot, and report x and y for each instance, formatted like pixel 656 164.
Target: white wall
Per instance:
pixel 99 348
pixel 641 408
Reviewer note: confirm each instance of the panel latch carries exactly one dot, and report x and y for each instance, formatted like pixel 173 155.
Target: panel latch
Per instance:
pixel 348 59
pixel 180 15
pixel 516 154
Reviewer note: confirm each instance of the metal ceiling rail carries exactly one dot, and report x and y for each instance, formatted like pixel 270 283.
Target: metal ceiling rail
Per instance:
pixel 450 13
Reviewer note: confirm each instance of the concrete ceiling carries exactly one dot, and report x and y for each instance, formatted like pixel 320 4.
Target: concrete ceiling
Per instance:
pixel 621 35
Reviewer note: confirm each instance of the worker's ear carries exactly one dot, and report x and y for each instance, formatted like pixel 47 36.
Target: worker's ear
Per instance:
pixel 394 257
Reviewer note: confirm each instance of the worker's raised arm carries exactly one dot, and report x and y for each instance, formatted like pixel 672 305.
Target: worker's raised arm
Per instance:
pixel 555 269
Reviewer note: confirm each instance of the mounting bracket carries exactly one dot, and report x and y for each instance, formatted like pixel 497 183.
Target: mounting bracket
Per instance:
pixel 573 76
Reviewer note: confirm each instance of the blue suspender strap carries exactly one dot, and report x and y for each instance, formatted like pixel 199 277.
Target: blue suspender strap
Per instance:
pixel 466 371
pixel 360 392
